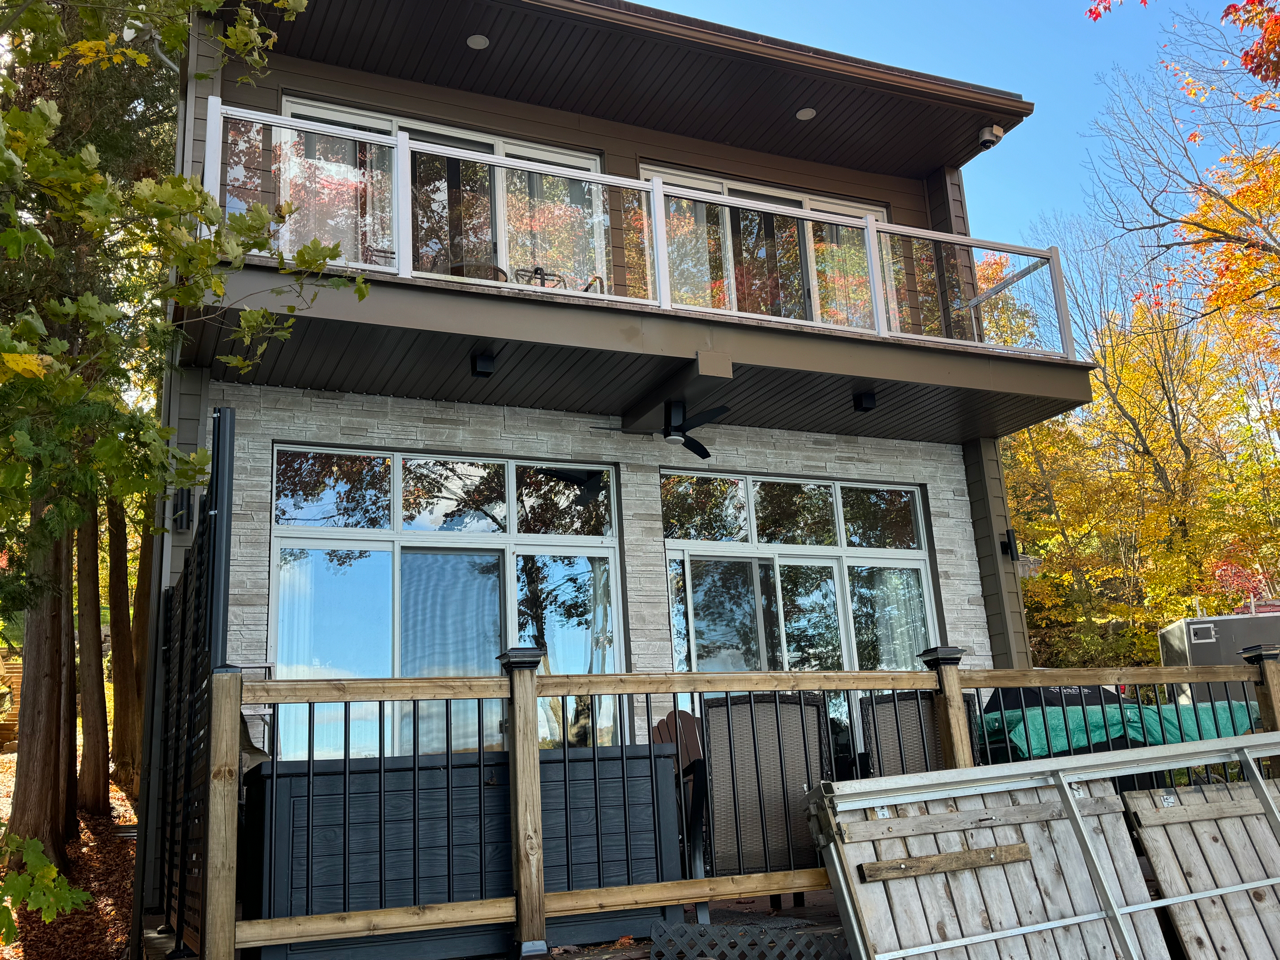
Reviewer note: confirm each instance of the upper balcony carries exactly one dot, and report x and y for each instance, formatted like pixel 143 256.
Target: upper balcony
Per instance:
pixel 634 244
pixel 405 208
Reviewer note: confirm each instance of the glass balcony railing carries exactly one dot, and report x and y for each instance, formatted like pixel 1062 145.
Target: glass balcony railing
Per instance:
pixel 418 209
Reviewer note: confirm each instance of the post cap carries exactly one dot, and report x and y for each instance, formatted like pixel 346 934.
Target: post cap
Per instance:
pixel 521 658
pixel 1255 654
pixel 936 657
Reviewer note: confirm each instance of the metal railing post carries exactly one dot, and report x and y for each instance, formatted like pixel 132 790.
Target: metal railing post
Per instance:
pixel 218 933
pixel 873 278
pixel 211 175
pixel 521 664
pixel 949 713
pixel 661 265
pixel 1060 302
pixel 404 205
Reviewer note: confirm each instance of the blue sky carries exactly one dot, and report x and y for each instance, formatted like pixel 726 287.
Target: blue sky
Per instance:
pixel 1046 50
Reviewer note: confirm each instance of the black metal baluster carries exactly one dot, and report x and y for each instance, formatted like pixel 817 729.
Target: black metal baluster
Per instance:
pixel 417 749
pixel 484 862
pixel 897 728
pixel 854 717
pixel 1084 712
pixel 711 807
pixel 733 777
pixel 311 794
pixel 924 736
pixel 346 805
pixel 271 817
pixel 1066 722
pixel 448 799
pixel 1026 727
pixel 804 737
pixel 782 770
pixel 755 754
pixel 568 818
pixel 653 783
pixel 595 774
pixel 382 805
pixel 875 732
pixel 626 802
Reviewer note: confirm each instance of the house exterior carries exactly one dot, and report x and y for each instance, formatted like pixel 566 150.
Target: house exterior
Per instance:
pixel 602 241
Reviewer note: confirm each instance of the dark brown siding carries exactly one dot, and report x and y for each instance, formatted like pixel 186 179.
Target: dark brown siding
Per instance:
pixel 1001 586
pixel 947 209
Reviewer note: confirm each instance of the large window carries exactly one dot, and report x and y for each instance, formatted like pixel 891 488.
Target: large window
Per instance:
pixel 777 574
pixel 399 565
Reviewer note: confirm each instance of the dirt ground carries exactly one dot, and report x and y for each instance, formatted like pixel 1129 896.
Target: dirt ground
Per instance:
pixel 101 863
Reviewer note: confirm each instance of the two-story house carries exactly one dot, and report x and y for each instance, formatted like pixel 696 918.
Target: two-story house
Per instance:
pixel 678 356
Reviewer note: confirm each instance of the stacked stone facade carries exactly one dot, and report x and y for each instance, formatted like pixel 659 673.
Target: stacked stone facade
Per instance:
pixel 270 415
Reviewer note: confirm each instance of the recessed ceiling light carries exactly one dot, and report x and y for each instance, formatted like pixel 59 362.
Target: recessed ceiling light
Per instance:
pixel 477 41
pixel 807 113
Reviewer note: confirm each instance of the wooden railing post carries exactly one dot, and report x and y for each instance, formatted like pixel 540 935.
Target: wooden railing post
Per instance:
pixel 520 663
pixel 218 934
pixel 949 710
pixel 1266 657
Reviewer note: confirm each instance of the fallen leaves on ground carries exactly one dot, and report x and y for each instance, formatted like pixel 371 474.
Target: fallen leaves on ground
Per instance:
pixel 98 862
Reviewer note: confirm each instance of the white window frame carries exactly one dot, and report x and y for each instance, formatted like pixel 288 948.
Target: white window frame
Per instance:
pixel 395 538
pixel 803 202
pixel 842 556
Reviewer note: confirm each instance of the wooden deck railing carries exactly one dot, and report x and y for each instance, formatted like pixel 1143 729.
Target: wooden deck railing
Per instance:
pixel 521 689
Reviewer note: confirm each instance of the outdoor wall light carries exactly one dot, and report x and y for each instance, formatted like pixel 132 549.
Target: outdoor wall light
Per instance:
pixel 477 41
pixel 482 365
pixel 865 401
pixel 806 113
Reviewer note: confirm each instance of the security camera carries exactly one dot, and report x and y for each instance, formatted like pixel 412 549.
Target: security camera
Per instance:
pixel 990 136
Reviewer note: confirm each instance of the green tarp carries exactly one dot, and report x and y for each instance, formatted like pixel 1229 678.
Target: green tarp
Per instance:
pixel 1146 725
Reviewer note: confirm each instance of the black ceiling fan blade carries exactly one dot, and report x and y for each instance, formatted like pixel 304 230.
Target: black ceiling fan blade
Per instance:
pixel 705 417
pixel 693 446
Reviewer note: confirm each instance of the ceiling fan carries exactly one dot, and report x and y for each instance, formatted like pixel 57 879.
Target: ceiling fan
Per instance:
pixel 676 426
pixel 589 483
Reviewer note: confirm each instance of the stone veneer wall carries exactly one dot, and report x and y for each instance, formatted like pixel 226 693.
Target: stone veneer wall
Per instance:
pixel 275 414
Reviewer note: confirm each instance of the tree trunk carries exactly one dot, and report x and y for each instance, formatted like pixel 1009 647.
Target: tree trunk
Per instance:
pixel 141 632
pixel 36 810
pixel 70 787
pixel 94 789
pixel 125 730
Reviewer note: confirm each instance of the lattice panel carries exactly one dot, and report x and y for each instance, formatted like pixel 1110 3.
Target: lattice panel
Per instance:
pixel 694 941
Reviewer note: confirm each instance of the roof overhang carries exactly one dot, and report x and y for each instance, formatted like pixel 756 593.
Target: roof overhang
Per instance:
pixel 631 64
pixel 416 338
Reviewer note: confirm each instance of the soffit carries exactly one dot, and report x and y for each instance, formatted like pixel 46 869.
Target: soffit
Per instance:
pixel 634 65
pixel 346 357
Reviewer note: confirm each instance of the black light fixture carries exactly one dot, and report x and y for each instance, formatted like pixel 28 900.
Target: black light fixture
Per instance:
pixel 482 365
pixel 477 41
pixel 1009 546
pixel 864 401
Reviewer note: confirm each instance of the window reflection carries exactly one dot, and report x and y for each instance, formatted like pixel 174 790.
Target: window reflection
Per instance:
pixel 565 606
pixel 703 508
pixel 725 623
pixel 453 217
pixel 798 513
pixel 333 619
pixel 811 616
pixel 563 500
pixel 679 617
pixel 889 624
pixel 454 495
pixel 844 287
pixel 884 519
pixel 332 490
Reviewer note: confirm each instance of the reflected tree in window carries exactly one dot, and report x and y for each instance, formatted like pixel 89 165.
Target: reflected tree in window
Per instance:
pixel 889 624
pixel 725 615
pixel 703 508
pixel 559 226
pixel 844 284
pixel 799 513
pixel 883 519
pixel 332 490
pixel 696 254
pixel 454 495
pixel 563 500
pixel 811 616
pixel 452 216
